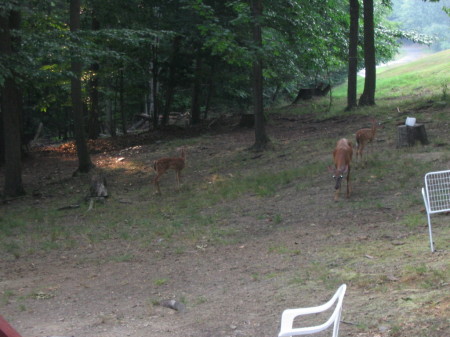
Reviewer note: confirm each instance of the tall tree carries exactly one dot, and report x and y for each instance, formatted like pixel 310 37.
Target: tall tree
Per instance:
pixel 353 55
pixel 171 80
pixel 84 160
pixel 368 95
pixel 196 88
pixel 94 111
pixel 11 104
pixel 261 138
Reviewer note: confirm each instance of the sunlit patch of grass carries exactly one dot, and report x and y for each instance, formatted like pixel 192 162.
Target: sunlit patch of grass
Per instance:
pixel 267 184
pixel 123 258
pixel 13 248
pixel 224 235
pixel 160 282
pixel 49 245
pixel 6 296
pixel 200 300
pixel 10 223
pixel 298 279
pixel 255 277
pixel 413 220
pixel 283 250
pixel 271 275
pixel 426 276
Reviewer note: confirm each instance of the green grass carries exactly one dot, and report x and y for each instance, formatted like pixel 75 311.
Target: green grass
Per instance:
pixel 201 214
pixel 161 282
pixel 424 77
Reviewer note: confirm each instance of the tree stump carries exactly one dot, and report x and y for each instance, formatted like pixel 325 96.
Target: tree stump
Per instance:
pixel 407 135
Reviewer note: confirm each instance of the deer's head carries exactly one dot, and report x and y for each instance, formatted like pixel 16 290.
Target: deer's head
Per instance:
pixel 338 175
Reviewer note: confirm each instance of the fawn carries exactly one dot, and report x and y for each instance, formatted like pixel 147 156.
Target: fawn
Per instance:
pixel 365 136
pixel 342 156
pixel 163 164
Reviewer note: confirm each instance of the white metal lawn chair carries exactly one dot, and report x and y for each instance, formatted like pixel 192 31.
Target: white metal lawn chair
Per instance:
pixel 436 196
pixel 287 319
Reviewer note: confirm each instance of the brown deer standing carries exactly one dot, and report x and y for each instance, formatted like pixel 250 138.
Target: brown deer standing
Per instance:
pixel 163 164
pixel 342 157
pixel 365 136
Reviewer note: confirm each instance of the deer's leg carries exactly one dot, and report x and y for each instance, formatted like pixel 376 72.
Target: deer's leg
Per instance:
pixel 177 174
pixel 361 154
pixel 358 153
pixel 179 179
pixel 156 183
pixel 349 185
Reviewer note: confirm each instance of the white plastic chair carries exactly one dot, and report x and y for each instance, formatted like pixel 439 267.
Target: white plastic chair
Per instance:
pixel 288 316
pixel 436 196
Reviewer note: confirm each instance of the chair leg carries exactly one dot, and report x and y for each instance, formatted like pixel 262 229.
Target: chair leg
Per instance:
pixel 431 234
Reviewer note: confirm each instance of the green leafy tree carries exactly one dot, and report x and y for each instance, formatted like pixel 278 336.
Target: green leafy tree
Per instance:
pixel 11 101
pixel 353 55
pixel 261 138
pixel 433 20
pixel 84 160
pixel 368 95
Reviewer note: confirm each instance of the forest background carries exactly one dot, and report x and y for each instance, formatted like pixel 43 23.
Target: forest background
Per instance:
pixel 93 68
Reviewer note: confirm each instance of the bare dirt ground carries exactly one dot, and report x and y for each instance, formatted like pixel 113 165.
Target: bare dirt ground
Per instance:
pixel 281 254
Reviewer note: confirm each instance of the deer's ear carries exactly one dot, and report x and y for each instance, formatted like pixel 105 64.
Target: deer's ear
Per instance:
pixel 346 169
pixel 331 168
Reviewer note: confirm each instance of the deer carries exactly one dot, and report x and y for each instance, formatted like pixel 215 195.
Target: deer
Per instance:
pixel 365 136
pixel 342 157
pixel 163 164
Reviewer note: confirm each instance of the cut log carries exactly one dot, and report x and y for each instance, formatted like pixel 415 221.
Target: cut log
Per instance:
pixel 408 135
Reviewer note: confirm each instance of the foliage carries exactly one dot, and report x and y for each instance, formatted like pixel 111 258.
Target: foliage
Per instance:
pixel 424 18
pixel 304 42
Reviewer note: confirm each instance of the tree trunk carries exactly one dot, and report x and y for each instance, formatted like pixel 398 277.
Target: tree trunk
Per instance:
pixel 368 95
pixel 121 103
pixel 261 138
pixel 110 107
pixel 93 124
pixel 170 89
pixel 151 102
pixel 196 90
pixel 353 55
pixel 84 160
pixel 11 107
pixel 94 111
pixel 155 85
pixel 2 138
pixel 209 93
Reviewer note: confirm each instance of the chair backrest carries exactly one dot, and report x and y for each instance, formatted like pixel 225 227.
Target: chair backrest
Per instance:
pixel 287 318
pixel 437 191
pixel 436 196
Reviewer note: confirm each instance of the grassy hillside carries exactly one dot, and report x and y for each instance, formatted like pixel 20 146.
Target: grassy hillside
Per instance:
pixel 428 76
